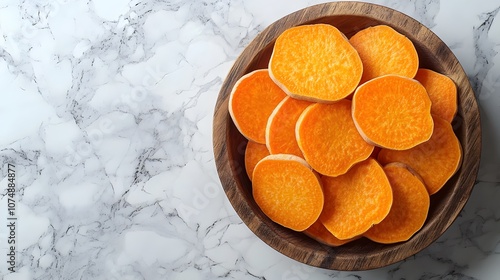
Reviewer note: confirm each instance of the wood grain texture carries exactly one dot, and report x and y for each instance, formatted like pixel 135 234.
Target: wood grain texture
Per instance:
pixel 362 254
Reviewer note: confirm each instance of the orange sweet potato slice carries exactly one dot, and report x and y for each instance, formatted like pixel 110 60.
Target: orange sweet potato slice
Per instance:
pixel 328 138
pixel 384 51
pixel 252 101
pixel 315 62
pixel 409 209
pixel 442 92
pixel 288 191
pixel 280 131
pixel 318 232
pixel 375 152
pixel 357 200
pixel 393 112
pixel 435 160
pixel 254 152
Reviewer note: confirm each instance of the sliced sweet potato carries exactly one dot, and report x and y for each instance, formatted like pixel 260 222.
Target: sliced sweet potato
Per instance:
pixel 409 209
pixel 357 200
pixel 318 232
pixel 384 51
pixel 328 138
pixel 254 152
pixel 252 101
pixel 375 152
pixel 315 62
pixel 393 112
pixel 435 160
pixel 288 191
pixel 280 130
pixel 442 92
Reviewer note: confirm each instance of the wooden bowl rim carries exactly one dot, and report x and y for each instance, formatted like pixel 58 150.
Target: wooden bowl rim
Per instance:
pixel 328 257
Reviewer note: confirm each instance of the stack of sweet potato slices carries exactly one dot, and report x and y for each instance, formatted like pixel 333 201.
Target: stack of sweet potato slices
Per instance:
pixel 347 138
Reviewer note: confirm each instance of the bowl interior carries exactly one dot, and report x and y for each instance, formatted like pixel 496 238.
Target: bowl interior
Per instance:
pixel 229 144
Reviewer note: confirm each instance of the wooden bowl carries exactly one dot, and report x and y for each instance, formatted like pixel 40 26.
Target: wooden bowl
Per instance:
pixel 362 254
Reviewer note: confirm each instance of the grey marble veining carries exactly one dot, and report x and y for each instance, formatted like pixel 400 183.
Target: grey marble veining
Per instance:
pixel 106 113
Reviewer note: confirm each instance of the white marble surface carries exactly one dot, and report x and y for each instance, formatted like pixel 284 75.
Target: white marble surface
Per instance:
pixel 106 112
